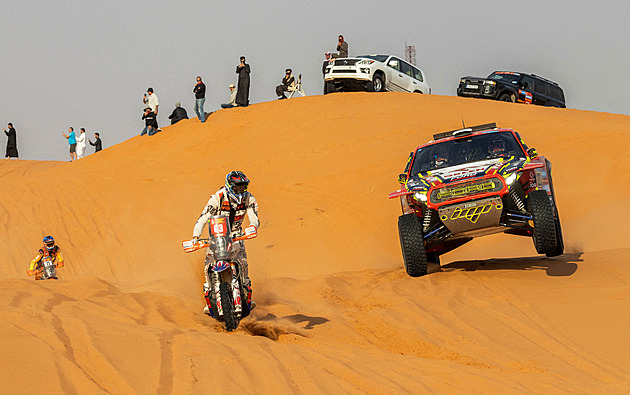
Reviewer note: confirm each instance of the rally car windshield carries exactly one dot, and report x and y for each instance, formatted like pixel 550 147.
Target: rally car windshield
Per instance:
pixel 465 150
pixel 505 77
pixel 378 58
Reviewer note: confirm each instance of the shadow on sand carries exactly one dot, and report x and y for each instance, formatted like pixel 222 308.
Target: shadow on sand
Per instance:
pixel 564 265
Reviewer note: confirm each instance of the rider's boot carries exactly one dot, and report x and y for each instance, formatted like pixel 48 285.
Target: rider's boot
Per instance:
pixel 248 289
pixel 206 293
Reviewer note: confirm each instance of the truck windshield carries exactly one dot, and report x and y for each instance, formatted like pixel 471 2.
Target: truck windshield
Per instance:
pixel 378 58
pixel 466 150
pixel 505 76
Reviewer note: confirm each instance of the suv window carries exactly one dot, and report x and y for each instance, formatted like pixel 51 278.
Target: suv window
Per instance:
pixel 406 68
pixel 556 92
pixel 527 83
pixel 417 74
pixel 394 63
pixel 540 86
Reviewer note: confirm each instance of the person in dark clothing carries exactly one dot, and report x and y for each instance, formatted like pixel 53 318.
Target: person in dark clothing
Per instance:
pixel 287 82
pixel 180 113
pixel 12 151
pixel 151 126
pixel 242 95
pixel 98 144
pixel 342 48
pixel 200 98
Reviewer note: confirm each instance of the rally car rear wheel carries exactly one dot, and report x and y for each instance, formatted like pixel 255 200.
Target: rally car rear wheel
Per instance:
pixel 412 245
pixel 545 232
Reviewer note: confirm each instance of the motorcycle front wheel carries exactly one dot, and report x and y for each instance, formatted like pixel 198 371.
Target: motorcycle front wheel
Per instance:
pixel 227 302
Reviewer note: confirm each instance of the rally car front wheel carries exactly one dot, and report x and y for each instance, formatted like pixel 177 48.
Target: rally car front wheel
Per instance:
pixel 412 245
pixel 545 233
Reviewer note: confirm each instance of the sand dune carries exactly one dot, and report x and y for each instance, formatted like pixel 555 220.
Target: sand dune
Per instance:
pixel 336 312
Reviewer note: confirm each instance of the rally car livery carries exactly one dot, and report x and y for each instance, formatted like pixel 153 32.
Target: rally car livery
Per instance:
pixel 473 182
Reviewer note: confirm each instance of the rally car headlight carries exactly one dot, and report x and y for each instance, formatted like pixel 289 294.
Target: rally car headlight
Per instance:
pixel 489 82
pixel 510 179
pixel 421 197
pixel 462 81
pixel 365 62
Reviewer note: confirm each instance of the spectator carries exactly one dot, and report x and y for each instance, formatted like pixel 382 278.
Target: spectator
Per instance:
pixel 232 102
pixel 200 98
pixel 150 124
pixel 153 102
pixel 242 96
pixel 288 82
pixel 342 48
pixel 72 140
pixel 98 144
pixel 12 151
pixel 180 113
pixel 81 144
pixel 327 59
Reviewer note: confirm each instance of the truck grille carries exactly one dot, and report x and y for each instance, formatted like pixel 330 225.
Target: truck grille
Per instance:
pixel 457 191
pixel 345 62
pixel 344 71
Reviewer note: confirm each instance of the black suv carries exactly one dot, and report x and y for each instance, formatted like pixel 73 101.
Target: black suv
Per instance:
pixel 513 87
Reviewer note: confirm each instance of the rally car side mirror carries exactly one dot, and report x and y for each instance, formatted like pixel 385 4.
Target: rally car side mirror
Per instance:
pixel 402 178
pixel 533 154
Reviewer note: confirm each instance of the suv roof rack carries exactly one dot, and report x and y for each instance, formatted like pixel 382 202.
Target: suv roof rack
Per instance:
pixel 544 79
pixel 465 131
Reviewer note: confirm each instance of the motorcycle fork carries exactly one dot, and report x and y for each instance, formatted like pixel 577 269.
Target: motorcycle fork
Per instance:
pixel 216 282
pixel 236 289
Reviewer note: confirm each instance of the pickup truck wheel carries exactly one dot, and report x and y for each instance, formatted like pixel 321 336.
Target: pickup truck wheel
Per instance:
pixel 509 97
pixel 377 84
pixel 412 245
pixel 545 233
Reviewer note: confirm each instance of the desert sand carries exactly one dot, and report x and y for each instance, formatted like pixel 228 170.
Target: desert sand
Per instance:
pixel 336 311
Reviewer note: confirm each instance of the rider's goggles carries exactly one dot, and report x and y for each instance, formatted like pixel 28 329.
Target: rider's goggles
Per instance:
pixel 239 189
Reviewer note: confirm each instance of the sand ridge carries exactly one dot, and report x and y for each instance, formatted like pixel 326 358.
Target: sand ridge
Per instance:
pixel 336 312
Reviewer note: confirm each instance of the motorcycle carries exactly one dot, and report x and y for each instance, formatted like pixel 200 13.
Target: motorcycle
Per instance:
pixel 47 270
pixel 225 293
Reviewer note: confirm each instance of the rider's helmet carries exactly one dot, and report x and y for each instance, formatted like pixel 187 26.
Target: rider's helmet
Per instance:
pixel 496 146
pixel 49 242
pixel 236 183
pixel 440 158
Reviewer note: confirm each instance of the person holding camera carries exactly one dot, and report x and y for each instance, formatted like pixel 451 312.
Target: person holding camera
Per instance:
pixel 288 83
pixel 242 95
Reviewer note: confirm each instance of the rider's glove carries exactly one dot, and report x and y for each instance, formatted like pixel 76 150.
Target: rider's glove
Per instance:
pixel 250 230
pixel 30 272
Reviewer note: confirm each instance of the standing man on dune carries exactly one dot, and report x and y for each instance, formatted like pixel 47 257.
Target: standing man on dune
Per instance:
pixel 200 98
pixel 12 151
pixel 242 95
pixel 72 140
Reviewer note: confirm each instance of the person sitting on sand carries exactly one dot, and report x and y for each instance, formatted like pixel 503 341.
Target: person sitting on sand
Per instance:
pixel 232 102
pixel 178 114
pixel 49 249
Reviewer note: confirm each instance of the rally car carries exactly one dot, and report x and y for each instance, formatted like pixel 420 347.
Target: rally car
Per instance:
pixel 473 182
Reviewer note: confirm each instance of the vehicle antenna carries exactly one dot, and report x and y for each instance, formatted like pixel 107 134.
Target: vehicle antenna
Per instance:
pixel 463 125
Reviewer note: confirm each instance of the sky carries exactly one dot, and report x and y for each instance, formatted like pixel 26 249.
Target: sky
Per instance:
pixel 88 64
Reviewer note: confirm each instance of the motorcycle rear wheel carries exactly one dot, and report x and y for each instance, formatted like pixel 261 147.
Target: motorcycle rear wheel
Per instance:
pixel 227 302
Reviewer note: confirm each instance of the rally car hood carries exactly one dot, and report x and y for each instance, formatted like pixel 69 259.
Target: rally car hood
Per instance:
pixel 425 180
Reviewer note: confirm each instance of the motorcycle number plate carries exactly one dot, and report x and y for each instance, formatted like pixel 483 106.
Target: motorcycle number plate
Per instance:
pixel 218 226
pixel 47 262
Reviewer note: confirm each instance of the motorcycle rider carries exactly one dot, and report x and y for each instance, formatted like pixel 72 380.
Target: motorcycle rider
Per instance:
pixel 234 201
pixel 49 249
